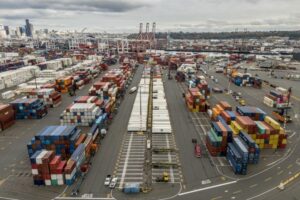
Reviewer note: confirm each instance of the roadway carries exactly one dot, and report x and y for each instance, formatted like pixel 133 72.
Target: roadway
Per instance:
pixel 270 172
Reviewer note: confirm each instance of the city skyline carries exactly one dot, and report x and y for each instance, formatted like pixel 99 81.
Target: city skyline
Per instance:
pixel 124 15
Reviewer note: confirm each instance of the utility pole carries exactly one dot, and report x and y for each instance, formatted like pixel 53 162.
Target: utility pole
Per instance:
pixel 34 76
pixel 287 107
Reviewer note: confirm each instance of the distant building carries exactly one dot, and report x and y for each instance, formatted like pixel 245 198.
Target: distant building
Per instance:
pixel 28 28
pixel 2 32
pixel 6 28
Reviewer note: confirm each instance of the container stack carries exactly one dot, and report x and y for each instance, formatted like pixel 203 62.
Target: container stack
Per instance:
pixel 81 114
pixel 277 98
pixel 265 131
pixel 57 171
pixel 53 74
pixel 57 154
pixel 253 112
pixel 49 96
pixel 40 161
pixel 246 79
pixel 7 116
pixel 16 77
pixel 63 84
pixel 52 64
pixel 60 139
pixel 195 101
pixel 100 89
pixel 29 108
pixel 74 163
pixel 160 114
pixel 270 134
pixel 204 89
pixel 252 148
pixel 217 138
pixel 222 106
pixel 138 116
pixel 237 156
pixel 115 76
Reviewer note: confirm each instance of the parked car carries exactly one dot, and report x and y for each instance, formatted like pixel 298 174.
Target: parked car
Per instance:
pixel 242 102
pixel 113 183
pixel 107 180
pixel 197 150
pixel 217 90
pixel 132 90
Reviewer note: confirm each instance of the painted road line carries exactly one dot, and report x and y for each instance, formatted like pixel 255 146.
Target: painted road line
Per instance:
pixel 237 192
pixel 206 188
pixel 292 134
pixel 96 198
pixel 290 166
pixel 295 98
pixel 252 186
pixel 126 161
pixel 216 198
pixel 289 179
pixel 220 161
pixel 170 160
pixel 268 179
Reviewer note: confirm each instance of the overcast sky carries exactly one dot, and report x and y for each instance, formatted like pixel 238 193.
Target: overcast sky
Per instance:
pixel 170 15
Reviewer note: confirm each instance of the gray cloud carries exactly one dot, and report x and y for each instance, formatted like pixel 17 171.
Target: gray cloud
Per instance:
pixel 74 5
pixel 170 15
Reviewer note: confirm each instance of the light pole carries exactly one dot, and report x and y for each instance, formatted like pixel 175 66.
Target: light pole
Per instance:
pixel 288 103
pixel 34 76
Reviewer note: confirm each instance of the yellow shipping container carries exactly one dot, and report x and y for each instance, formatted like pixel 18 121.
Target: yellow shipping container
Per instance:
pixel 272 122
pixel 284 141
pixel 261 146
pixel 281 131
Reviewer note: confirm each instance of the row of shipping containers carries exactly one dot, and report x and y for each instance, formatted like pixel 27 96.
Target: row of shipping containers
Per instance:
pixel 241 134
pixel 58 154
pixel 278 98
pixel 160 114
pixel 138 117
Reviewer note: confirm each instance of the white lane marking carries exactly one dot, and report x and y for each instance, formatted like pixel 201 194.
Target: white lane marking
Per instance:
pixel 170 160
pixel 261 194
pixel 207 188
pixel 96 198
pixel 220 161
pixel 126 160
pixel 292 134
pixel 252 186
pixel 7 198
pixel 236 192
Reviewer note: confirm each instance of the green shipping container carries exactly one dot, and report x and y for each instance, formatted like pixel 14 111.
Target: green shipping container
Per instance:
pixel 54 182
pixel 261 128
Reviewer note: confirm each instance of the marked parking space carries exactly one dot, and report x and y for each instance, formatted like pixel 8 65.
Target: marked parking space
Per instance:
pixel 165 141
pixel 130 165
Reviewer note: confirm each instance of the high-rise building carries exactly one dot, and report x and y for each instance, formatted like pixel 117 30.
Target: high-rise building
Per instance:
pixel 28 28
pixel 22 30
pixel 6 28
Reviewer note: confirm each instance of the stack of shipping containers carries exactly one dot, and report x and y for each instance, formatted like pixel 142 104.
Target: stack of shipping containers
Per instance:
pixel 241 134
pixel 138 116
pixel 160 120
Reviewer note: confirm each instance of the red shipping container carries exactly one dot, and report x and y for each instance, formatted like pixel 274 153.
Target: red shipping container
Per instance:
pixel 54 162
